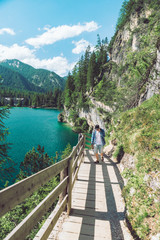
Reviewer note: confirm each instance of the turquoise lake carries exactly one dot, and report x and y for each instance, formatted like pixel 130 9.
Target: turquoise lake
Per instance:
pixel 29 127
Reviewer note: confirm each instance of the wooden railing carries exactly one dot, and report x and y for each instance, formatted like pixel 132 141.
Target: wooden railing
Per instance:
pixel 15 194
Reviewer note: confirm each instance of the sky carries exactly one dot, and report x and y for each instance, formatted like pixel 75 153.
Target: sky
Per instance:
pixel 53 34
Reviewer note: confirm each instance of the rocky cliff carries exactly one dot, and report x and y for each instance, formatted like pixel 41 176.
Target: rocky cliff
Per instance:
pixel 140 36
pixel 133 73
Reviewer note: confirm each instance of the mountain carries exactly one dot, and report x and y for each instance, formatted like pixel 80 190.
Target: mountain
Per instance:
pixel 15 80
pixel 41 78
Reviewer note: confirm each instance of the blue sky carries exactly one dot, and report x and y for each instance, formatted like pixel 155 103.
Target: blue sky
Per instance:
pixel 53 34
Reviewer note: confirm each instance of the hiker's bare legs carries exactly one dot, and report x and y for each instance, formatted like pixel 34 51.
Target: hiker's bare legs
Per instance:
pixel 97 157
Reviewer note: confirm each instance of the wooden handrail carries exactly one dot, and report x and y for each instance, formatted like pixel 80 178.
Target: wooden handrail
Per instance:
pixel 16 193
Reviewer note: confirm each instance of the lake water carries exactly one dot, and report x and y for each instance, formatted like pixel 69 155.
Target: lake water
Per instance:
pixel 30 127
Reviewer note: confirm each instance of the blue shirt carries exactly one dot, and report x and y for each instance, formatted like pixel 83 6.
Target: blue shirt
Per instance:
pixel 93 138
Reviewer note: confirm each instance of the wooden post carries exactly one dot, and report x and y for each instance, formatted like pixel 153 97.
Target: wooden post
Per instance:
pixel 63 174
pixel 69 186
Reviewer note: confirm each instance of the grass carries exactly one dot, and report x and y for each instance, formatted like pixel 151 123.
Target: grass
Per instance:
pixel 137 131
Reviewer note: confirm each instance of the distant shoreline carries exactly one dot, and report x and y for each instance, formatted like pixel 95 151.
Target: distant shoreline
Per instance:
pixel 47 108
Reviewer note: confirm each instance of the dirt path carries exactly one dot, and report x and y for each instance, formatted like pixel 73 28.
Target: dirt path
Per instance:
pixel 98 210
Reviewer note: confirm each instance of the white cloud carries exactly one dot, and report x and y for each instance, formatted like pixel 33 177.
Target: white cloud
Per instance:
pixel 15 51
pixel 59 64
pixel 55 34
pixel 81 46
pixel 7 30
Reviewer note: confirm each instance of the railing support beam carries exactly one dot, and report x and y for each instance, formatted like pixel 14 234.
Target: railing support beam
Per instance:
pixel 70 163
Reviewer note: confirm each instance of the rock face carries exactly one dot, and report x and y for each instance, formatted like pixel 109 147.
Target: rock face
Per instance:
pixel 135 37
pixel 153 85
pixel 61 117
pixel 92 117
pixel 128 33
pixel 130 40
pixel 127 161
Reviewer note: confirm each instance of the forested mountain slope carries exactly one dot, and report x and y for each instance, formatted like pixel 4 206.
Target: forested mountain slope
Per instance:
pixel 41 78
pixel 118 87
pixel 15 80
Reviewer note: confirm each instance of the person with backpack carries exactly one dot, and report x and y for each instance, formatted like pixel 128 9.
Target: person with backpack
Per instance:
pixel 97 142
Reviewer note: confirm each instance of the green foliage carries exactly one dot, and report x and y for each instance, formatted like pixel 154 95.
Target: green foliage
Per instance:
pixel 123 15
pixel 85 76
pixel 136 68
pixel 35 161
pixel 6 164
pixel 16 80
pixel 106 91
pixel 81 125
pixel 73 115
pixel 110 45
pixel 92 71
pixel 137 133
pixel 133 80
pixel 53 99
pixel 4 111
pixel 129 7
pixel 69 88
pixel 141 206
pixel 67 151
pixel 22 76
pixel 17 214
pixel 118 152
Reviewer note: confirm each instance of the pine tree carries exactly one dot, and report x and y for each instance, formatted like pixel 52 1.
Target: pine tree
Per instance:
pixel 68 90
pixel 98 42
pixel 4 111
pixel 91 73
pixel 35 161
pixel 85 67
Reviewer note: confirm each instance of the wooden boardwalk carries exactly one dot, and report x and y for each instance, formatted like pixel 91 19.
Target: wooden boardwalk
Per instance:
pixel 98 210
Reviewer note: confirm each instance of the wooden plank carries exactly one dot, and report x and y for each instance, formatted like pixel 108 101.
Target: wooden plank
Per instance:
pixel 51 221
pixel 16 193
pixel 24 228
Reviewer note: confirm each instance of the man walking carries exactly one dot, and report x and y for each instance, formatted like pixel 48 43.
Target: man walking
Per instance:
pixel 97 142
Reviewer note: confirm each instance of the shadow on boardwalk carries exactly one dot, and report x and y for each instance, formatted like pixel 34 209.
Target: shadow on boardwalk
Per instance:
pixel 98 210
pixel 111 215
